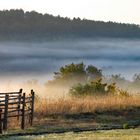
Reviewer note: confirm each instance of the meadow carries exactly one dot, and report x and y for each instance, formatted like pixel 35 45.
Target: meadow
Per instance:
pixel 91 105
pixel 130 134
pixel 73 105
pixel 74 114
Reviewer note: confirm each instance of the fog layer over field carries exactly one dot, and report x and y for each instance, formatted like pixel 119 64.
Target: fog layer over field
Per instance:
pixel 38 60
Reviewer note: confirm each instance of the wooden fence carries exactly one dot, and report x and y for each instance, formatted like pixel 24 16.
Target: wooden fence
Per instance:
pixel 16 105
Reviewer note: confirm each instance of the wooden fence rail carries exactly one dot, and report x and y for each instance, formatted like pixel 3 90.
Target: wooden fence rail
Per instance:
pixel 16 105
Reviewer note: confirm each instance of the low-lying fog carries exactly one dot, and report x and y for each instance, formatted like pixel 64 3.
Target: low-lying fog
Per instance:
pixel 26 60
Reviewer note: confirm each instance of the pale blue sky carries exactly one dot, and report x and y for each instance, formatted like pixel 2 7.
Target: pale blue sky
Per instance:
pixel 127 11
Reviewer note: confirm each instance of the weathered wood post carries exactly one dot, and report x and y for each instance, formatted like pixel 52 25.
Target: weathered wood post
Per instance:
pixel 5 113
pixel 23 112
pixel 20 91
pixel 19 102
pixel 32 107
pixel 0 121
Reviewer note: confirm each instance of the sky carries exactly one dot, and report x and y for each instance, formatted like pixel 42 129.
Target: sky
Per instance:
pixel 124 11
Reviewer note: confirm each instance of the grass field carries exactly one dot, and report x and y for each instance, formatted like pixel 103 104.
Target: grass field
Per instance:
pixel 131 134
pixel 68 105
pixel 90 113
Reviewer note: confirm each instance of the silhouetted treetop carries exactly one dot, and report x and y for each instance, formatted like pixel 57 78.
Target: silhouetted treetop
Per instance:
pixel 17 24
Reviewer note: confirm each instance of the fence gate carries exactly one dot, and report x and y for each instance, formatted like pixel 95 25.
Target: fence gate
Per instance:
pixel 16 105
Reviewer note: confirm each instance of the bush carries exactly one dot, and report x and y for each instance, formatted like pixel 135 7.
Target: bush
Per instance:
pixel 123 93
pixel 112 89
pixel 125 126
pixel 92 88
pixel 97 88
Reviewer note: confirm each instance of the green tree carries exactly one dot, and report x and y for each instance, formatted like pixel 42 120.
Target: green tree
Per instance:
pixel 93 72
pixel 91 88
pixel 17 24
pixel 76 73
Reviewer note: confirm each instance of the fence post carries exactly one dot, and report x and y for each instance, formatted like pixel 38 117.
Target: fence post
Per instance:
pixel 32 107
pixel 19 102
pixel 23 112
pixel 5 113
pixel 20 91
pixel 0 121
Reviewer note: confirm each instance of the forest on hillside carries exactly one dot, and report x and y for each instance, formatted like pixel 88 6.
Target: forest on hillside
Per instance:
pixel 20 25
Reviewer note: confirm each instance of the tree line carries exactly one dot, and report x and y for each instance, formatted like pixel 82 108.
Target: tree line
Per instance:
pixel 20 25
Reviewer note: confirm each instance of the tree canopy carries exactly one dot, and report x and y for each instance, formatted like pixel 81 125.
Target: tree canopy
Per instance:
pixel 20 25
pixel 72 74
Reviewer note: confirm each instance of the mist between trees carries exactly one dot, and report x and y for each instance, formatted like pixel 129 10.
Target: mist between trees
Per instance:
pixel 79 79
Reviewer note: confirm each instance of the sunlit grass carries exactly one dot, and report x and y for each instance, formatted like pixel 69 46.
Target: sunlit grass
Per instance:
pixel 70 105
pixel 131 134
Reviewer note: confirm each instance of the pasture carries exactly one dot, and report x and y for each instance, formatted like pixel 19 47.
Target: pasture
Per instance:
pixel 131 134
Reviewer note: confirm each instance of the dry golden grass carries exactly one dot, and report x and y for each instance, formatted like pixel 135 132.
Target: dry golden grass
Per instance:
pixel 68 105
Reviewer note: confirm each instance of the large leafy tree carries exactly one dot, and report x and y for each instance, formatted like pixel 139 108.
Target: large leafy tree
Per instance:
pixel 76 73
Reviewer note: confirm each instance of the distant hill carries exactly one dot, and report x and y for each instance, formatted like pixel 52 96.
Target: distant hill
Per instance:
pixel 20 25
